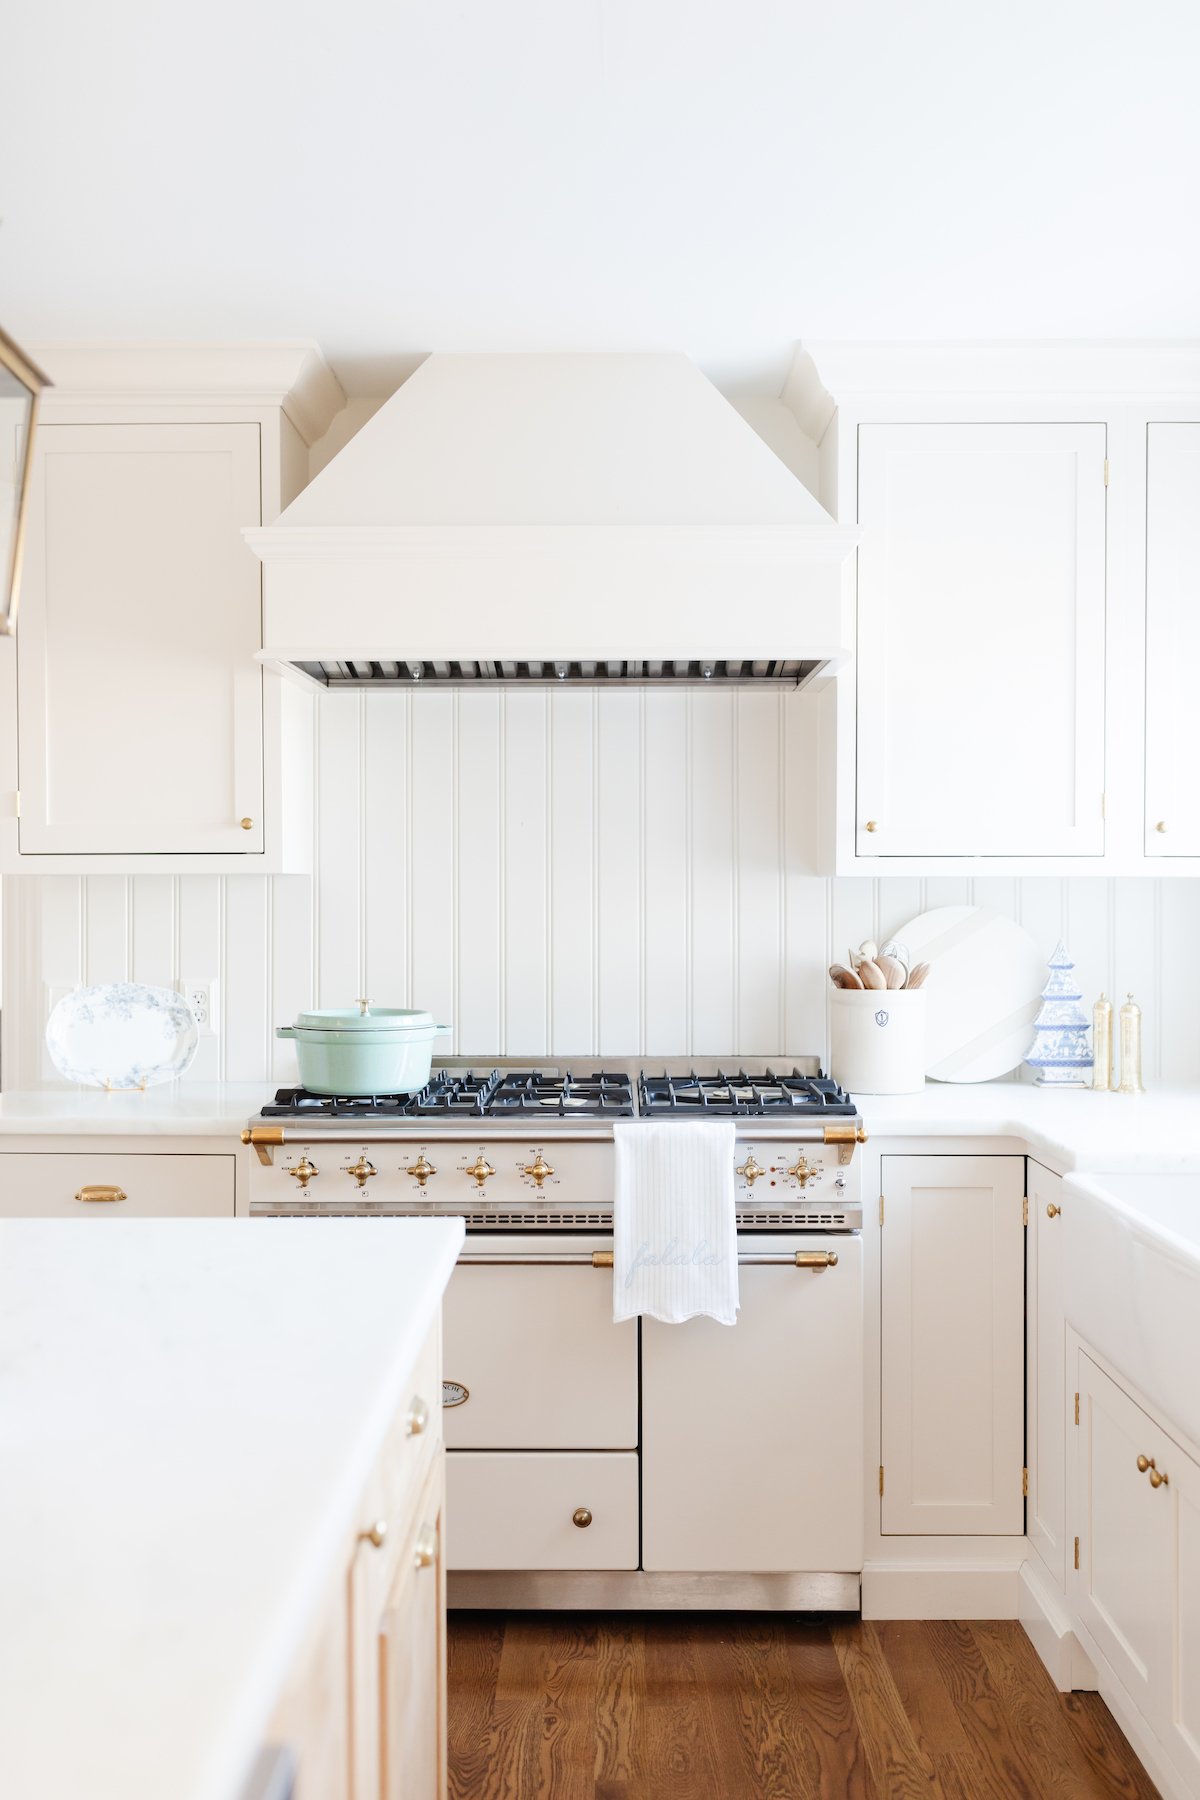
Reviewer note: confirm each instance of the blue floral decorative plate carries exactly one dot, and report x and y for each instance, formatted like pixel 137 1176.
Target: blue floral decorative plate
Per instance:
pixel 121 1036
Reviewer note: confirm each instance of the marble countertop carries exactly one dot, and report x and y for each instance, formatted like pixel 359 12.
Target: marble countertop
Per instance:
pixel 1075 1128
pixel 190 1412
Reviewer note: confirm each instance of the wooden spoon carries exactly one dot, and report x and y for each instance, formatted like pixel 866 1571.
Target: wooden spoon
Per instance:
pixel 870 974
pixel 843 978
pixel 918 975
pixel 894 973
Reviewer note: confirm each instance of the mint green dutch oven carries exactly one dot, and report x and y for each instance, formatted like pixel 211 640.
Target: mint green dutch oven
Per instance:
pixel 363 1049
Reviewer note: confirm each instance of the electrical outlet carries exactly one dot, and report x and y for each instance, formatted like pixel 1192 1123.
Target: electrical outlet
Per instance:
pixel 201 997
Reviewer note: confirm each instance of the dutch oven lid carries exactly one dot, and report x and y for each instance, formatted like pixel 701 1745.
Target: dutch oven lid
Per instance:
pixel 362 1016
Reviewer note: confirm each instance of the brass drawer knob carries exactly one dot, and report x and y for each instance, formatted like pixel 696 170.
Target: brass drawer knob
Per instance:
pixel 1052 1211
pixel 1146 1466
pixel 581 1517
pixel 416 1420
pixel 246 824
pixel 872 825
pixel 374 1534
pixel 101 1192
pixel 1161 826
pixel 426 1547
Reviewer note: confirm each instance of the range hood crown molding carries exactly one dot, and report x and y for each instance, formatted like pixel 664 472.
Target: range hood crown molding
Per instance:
pixel 527 509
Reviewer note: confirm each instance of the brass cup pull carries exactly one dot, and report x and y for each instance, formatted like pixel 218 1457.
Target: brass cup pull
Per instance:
pixel 1052 1211
pixel 816 1259
pixel 416 1420
pixel 100 1191
pixel 751 1170
pixel 362 1171
pixel 374 1534
pixel 581 1517
pixel 426 1547
pixel 422 1169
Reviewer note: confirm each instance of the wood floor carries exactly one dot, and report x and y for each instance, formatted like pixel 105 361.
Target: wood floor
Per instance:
pixel 709 1706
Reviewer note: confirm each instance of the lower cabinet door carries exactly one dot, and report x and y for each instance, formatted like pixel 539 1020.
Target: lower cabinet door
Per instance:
pixel 752 1435
pixel 412 1666
pixel 76 1185
pixel 526 1510
pixel 1123 1590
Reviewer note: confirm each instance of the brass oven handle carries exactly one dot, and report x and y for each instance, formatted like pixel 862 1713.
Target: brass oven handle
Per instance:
pixel 816 1259
pixel 100 1191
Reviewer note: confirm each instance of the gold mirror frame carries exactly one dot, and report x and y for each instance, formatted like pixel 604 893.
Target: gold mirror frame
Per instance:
pixel 29 377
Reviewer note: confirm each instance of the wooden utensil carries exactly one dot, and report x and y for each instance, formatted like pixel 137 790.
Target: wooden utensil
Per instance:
pixel 918 975
pixel 870 974
pixel 894 973
pixel 843 978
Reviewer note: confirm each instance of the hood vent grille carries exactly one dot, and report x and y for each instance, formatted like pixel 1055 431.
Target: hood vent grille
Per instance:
pixel 556 673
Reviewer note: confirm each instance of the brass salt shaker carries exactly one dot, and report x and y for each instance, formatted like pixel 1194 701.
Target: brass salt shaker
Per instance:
pixel 1102 1043
pixel 1131 1048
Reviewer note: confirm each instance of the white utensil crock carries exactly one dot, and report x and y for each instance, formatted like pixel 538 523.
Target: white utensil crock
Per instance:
pixel 878 1040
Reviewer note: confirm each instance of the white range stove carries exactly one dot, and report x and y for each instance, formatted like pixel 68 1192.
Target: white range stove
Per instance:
pixel 632 1464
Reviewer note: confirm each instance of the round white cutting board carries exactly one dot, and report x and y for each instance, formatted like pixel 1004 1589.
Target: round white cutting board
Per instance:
pixel 984 984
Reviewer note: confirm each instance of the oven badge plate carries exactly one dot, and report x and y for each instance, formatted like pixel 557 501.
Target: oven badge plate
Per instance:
pixel 454 1393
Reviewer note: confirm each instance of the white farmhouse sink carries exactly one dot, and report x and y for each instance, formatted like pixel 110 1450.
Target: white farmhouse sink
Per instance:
pixel 1132 1282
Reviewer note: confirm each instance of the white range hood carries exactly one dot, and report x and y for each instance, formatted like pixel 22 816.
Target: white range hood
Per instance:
pixel 554 518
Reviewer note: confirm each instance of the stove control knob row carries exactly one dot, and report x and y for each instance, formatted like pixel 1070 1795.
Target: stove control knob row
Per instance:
pixel 304 1171
pixel 480 1169
pixel 539 1168
pixel 750 1169
pixel 422 1169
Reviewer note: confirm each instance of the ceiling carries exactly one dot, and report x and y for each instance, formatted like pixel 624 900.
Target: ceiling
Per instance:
pixel 723 177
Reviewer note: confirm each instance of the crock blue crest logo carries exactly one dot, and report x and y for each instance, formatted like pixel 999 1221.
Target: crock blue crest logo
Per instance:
pixel 881 1017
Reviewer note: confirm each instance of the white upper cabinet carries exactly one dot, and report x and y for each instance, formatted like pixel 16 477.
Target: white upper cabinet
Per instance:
pixel 1172 639
pixel 140 703
pixel 981 634
pixel 138 730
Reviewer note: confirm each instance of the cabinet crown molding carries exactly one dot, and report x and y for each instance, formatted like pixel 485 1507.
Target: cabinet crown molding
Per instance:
pixel 291 374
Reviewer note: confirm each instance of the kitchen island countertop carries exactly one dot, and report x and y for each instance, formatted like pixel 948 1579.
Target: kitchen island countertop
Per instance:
pixel 191 1409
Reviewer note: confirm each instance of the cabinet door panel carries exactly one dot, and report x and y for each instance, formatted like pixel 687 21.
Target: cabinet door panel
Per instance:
pixel 139 700
pixel 1172 639
pixel 952 1278
pixel 517 1512
pixel 1045 1364
pixel 412 1659
pixel 981 607
pixel 752 1437
pixel 1123 1588
pixel 34 1186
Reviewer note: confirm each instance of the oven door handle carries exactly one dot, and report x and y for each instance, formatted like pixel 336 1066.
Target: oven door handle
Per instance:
pixel 603 1259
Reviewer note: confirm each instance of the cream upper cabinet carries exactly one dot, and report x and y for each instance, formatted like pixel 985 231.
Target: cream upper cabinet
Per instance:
pixel 140 703
pixel 952 1335
pixel 1172 639
pixel 981 640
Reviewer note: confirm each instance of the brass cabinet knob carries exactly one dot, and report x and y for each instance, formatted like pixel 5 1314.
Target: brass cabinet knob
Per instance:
pixel 101 1192
pixel 362 1171
pixel 1052 1211
pixel 1157 1480
pixel 751 1170
pixel 416 1419
pixel 803 1171
pixel 374 1534
pixel 581 1517
pixel 422 1169
pixel 246 824
pixel 539 1168
pixel 426 1547
pixel 1144 1463
pixel 480 1169
pixel 304 1171
pixel 1146 1466
pixel 872 825
pixel 1161 826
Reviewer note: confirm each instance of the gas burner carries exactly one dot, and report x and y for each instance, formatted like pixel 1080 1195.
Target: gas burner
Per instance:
pixel 474 1095
pixel 290 1103
pixel 728 1095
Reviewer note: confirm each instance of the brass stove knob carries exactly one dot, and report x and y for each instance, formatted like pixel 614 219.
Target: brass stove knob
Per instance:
pixel 803 1171
pixel 362 1171
pixel 480 1169
pixel 539 1168
pixel 304 1171
pixel 750 1169
pixel 422 1169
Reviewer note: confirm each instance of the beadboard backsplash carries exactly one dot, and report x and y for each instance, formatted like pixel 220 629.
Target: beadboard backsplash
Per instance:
pixel 559 873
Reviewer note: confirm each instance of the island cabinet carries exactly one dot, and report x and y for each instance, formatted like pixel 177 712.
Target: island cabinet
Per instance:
pixel 952 1338
pixel 1134 1582
pixel 364 1713
pixel 144 731
pixel 107 1184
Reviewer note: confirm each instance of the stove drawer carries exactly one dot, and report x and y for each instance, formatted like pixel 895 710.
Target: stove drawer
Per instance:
pixel 531 1511
pixel 542 1364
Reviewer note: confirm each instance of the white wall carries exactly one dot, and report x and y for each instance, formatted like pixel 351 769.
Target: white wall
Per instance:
pixel 577 872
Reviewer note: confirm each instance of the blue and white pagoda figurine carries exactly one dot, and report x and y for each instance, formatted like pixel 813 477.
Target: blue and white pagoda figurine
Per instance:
pixel 1060 1052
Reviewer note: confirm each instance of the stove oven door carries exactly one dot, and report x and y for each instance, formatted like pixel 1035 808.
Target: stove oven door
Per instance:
pixel 752 1435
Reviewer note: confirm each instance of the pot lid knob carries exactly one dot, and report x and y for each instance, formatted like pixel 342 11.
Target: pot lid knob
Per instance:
pixel 364 1007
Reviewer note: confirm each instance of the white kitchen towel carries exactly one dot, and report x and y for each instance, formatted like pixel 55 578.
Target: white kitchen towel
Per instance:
pixel 674 1229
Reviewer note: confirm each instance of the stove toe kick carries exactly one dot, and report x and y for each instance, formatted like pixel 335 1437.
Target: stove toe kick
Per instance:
pixel 650 1590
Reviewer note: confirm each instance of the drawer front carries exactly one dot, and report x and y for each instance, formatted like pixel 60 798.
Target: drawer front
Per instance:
pixel 417 1430
pixel 517 1511
pixel 542 1364
pixel 85 1185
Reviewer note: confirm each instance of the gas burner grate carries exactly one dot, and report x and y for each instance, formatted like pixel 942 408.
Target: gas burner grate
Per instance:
pixel 729 1095
pixel 487 1094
